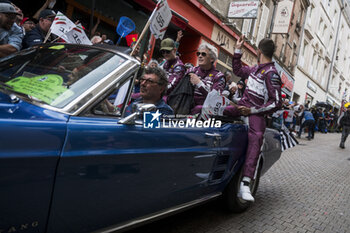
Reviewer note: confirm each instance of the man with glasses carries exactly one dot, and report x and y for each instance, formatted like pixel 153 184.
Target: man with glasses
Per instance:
pixel 153 86
pixel 173 66
pixel 205 77
pixel 11 34
pixel 38 34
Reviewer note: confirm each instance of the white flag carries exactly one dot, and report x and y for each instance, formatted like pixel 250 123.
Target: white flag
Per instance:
pixel 61 25
pixel 77 36
pixel 160 19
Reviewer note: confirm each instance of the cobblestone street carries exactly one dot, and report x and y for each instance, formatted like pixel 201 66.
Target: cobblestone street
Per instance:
pixel 307 190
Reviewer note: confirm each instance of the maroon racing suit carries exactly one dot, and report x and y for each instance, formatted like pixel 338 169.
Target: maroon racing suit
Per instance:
pixel 175 70
pixel 210 79
pixel 263 96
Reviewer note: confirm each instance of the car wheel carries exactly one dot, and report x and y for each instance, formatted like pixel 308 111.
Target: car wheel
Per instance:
pixel 236 204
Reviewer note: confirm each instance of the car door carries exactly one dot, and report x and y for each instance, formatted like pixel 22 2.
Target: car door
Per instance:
pixel 110 173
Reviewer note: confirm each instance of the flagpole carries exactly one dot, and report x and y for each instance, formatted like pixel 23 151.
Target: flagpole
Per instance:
pixel 47 35
pixel 145 29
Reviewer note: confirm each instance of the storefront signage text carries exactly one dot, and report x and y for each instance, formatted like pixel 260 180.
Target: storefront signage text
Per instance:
pixel 288 83
pixel 311 86
pixel 226 41
pixel 283 16
pixel 246 9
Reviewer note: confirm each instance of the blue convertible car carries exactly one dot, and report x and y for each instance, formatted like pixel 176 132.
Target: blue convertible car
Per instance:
pixel 70 161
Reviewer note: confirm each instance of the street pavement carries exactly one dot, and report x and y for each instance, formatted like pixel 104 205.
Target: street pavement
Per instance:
pixel 307 190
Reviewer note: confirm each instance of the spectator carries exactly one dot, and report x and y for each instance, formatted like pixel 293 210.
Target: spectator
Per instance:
pixel 307 105
pixel 153 63
pixel 321 121
pixel 178 38
pixel 307 120
pixel 153 87
pixel 344 122
pixel 232 90
pixel 11 34
pixel 239 92
pixel 27 24
pixel 136 51
pixel 228 76
pixel 38 34
pixel 188 65
pixel 93 30
pixel 96 40
pixel 205 77
pixel 173 66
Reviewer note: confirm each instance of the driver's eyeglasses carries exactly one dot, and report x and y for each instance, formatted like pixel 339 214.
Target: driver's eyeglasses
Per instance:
pixel 148 81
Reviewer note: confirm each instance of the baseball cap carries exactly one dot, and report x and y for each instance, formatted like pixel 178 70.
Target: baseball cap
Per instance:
pixel 47 13
pixel 27 19
pixel 167 44
pixel 7 8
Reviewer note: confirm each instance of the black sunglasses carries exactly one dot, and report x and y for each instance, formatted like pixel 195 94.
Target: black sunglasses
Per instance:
pixel 201 53
pixel 165 51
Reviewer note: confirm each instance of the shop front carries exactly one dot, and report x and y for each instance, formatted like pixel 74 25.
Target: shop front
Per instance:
pixel 198 24
pixel 287 81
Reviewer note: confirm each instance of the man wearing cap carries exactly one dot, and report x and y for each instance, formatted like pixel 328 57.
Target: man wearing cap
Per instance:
pixel 344 122
pixel 173 66
pixel 38 34
pixel 11 34
pixel 27 24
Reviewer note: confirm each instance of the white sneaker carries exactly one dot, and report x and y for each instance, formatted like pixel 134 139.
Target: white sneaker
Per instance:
pixel 244 193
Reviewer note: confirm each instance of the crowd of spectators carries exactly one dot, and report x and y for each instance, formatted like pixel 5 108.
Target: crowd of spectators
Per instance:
pixel 19 31
pixel 320 117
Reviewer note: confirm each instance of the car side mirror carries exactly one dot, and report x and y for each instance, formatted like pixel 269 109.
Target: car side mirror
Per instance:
pixel 139 110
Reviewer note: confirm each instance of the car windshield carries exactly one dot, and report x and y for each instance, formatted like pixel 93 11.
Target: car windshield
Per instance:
pixel 58 74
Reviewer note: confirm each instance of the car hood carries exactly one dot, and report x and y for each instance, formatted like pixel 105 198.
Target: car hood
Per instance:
pixel 16 108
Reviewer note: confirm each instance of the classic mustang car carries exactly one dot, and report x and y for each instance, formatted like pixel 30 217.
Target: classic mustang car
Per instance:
pixel 70 164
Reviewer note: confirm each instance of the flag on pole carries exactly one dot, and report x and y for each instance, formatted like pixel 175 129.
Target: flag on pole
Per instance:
pixel 61 25
pixel 160 19
pixel 131 39
pixel 287 138
pixel 77 36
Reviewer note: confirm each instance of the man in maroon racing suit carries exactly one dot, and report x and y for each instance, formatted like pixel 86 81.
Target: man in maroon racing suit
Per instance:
pixel 173 66
pixel 205 77
pixel 261 96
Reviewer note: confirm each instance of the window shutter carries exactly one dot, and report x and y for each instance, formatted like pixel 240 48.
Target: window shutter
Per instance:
pixel 246 27
pixel 263 24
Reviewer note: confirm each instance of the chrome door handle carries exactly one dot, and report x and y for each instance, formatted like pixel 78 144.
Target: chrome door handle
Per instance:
pixel 216 135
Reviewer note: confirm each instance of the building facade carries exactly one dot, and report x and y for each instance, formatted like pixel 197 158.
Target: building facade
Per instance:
pixel 323 65
pixel 288 48
pixel 312 58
